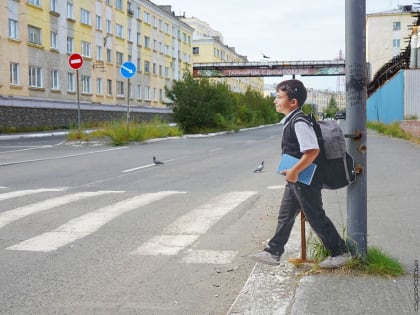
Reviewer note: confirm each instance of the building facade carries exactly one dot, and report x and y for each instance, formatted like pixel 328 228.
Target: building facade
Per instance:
pixel 42 34
pixel 208 47
pixel 387 34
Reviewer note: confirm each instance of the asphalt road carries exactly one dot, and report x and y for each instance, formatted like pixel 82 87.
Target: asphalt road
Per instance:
pixel 95 229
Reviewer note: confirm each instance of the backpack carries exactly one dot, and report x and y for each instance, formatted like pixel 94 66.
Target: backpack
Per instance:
pixel 335 164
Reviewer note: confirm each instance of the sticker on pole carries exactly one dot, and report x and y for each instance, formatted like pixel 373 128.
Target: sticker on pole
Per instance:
pixel 75 61
pixel 128 69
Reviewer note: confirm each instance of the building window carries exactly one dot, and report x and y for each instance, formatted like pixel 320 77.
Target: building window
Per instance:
pixel 139 92
pixel 86 84
pixel 120 88
pixel 396 43
pixel 54 40
pixel 34 35
pixel 147 93
pixel 84 16
pixel 119 30
pixel 86 49
pixel 154 68
pixel 155 94
pixel 196 50
pixel 35 77
pixel 108 26
pixel 71 82
pixel 119 56
pixel 146 17
pixel 108 55
pixel 396 26
pixel 138 39
pixel 35 2
pixel 53 5
pixel 14 73
pixel 119 4
pixel 138 64
pixel 147 66
pixel 13 29
pixel 70 11
pixel 146 41
pixel 109 87
pixel 130 35
pixel 99 53
pixel 70 44
pixel 98 22
pixel 99 86
pixel 55 82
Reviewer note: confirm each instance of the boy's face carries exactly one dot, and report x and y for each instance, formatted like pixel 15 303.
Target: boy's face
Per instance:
pixel 283 104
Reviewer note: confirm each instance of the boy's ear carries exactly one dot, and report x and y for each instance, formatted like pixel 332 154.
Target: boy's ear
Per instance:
pixel 294 102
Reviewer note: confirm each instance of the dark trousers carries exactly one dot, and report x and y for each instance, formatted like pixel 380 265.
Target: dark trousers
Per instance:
pixel 298 197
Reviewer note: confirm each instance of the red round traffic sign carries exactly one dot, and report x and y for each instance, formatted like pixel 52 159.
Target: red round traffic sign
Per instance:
pixel 75 61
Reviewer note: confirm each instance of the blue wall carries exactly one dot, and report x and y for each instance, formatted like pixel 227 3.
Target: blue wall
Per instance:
pixel 387 103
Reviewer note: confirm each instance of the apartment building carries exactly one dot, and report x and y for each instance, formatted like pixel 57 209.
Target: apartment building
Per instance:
pixel 42 34
pixel 387 34
pixel 208 47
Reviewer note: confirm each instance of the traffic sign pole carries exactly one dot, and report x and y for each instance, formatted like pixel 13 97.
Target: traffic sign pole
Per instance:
pixel 128 70
pixel 78 100
pixel 76 62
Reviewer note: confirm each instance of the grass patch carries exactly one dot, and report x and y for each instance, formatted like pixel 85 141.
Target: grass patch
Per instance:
pixel 120 133
pixel 376 262
pixel 392 130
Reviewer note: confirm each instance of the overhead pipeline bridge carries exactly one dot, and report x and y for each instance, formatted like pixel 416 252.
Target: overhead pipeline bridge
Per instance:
pixel 270 68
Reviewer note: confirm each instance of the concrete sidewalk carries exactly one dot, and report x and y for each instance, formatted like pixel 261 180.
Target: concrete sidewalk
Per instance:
pixel 393 225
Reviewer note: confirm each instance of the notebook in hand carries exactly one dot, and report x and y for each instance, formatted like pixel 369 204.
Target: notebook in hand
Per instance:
pixel 287 161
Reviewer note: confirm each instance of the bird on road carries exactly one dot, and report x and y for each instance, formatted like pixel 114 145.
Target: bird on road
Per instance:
pixel 156 161
pixel 259 167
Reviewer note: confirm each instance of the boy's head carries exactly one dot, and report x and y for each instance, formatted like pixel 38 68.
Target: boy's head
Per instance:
pixel 294 90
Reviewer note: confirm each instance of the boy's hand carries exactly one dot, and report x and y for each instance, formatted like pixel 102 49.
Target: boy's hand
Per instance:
pixel 291 176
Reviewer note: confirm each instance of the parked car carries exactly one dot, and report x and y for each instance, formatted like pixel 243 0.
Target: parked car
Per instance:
pixel 340 115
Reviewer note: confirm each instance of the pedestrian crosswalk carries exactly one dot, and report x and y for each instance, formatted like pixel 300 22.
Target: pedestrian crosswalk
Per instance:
pixel 177 238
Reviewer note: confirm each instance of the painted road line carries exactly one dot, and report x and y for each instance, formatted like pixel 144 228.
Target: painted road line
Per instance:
pixel 137 168
pixel 87 224
pixel 21 212
pixel 188 228
pixel 165 245
pixel 199 220
pixel 26 192
pixel 61 157
pixel 209 257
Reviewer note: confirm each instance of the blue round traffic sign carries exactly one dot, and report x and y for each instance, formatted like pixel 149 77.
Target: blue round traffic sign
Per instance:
pixel 128 69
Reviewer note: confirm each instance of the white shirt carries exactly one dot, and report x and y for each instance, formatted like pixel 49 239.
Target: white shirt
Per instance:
pixel 305 134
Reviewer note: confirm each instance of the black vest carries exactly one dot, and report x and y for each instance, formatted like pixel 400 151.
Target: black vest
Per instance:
pixel 290 143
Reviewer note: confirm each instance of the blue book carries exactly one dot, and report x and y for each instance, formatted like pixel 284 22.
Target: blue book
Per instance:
pixel 287 161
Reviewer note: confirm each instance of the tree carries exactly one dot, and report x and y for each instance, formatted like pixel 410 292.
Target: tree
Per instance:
pixel 332 108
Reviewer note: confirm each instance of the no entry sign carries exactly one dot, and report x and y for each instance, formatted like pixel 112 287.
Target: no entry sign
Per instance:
pixel 75 61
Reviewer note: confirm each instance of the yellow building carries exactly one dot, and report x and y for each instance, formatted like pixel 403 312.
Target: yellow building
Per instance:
pixel 387 34
pixel 208 47
pixel 42 34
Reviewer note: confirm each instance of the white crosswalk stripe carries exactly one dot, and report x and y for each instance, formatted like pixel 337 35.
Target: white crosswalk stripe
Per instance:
pixel 175 239
pixel 87 224
pixel 20 193
pixel 10 216
pixel 188 228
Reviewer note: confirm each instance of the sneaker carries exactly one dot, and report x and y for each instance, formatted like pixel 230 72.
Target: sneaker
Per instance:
pixel 266 258
pixel 336 261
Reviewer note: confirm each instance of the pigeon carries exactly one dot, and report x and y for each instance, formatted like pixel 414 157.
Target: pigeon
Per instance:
pixel 259 167
pixel 157 162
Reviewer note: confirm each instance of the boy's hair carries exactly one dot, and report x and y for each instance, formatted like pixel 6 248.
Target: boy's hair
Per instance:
pixel 293 89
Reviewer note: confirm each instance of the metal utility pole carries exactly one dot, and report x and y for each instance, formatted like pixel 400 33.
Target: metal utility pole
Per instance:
pixel 356 94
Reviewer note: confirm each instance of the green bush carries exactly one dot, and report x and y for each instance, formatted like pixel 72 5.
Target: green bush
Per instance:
pixel 200 105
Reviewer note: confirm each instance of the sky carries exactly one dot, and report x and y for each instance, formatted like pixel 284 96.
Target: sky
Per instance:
pixel 284 30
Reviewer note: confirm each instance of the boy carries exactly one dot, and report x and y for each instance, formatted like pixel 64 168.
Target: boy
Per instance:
pixel 299 140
